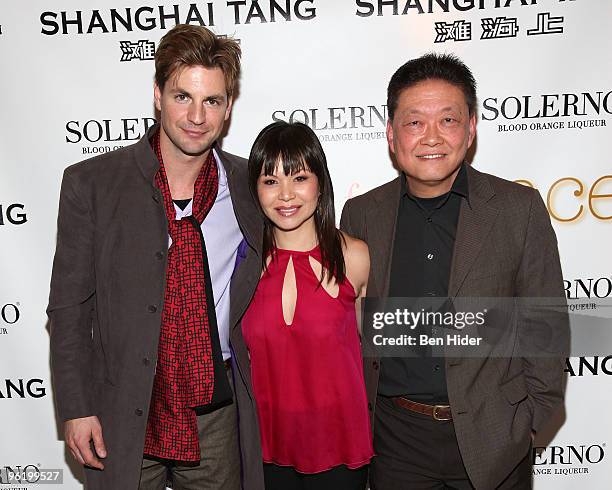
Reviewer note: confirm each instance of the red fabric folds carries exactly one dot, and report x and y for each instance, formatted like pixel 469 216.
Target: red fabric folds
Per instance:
pixel 308 376
pixel 184 377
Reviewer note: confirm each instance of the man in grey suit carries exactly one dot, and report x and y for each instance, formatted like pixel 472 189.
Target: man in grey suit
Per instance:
pixel 148 280
pixel 444 229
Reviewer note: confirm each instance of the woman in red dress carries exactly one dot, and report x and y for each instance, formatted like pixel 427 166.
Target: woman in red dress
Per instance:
pixel 301 326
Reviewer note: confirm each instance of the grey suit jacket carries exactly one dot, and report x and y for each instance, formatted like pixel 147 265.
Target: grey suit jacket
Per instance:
pixel 505 247
pixel 107 293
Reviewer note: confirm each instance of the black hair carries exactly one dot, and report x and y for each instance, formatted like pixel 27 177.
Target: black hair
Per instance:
pixel 297 147
pixel 432 66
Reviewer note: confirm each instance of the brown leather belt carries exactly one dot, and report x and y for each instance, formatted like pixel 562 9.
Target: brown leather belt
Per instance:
pixel 436 412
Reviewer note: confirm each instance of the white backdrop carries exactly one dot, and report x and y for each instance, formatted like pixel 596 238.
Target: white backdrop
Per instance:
pixel 76 79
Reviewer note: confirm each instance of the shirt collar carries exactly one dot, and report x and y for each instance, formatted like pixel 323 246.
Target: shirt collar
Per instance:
pixel 183 213
pixel 459 187
pixel 220 169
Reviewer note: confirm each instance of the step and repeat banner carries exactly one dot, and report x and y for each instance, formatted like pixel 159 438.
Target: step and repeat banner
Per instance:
pixel 77 80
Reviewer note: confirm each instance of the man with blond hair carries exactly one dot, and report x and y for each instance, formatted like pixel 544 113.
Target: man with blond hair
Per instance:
pixel 150 243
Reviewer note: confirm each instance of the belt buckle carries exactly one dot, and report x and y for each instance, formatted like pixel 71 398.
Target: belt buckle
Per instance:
pixel 435 413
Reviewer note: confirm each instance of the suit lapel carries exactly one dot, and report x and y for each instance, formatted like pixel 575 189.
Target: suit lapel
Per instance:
pixel 381 233
pixel 244 283
pixel 476 218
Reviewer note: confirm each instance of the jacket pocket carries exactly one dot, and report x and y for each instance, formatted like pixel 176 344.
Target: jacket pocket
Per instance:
pixel 514 389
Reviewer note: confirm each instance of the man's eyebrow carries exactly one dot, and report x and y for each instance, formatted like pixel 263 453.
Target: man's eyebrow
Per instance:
pixel 444 109
pixel 216 96
pixel 458 110
pixel 179 90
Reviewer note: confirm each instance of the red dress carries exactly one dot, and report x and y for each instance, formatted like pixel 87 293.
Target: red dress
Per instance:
pixel 307 376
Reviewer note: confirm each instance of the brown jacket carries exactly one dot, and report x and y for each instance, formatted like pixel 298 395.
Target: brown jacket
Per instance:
pixel 505 247
pixel 107 293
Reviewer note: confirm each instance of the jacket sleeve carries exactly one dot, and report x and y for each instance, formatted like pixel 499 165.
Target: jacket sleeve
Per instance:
pixel 72 303
pixel 544 323
pixel 347 222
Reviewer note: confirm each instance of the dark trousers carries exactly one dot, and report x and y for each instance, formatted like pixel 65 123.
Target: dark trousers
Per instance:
pixel 219 466
pixel 416 452
pixel 338 478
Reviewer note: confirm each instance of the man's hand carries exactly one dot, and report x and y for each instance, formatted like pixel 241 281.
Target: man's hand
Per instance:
pixel 79 433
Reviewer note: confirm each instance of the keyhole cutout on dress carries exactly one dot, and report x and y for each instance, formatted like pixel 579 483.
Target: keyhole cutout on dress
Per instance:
pixel 289 294
pixel 330 285
pixel 289 291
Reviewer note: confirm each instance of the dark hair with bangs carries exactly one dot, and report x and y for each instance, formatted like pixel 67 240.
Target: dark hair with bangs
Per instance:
pixel 432 66
pixel 297 147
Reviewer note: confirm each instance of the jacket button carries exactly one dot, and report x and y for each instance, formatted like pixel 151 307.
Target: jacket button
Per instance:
pixel 138 412
pixel 146 361
pixel 152 308
pixel 369 406
pixel 375 364
pixel 159 255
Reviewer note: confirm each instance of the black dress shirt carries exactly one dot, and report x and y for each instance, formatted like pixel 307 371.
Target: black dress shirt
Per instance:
pixel 420 267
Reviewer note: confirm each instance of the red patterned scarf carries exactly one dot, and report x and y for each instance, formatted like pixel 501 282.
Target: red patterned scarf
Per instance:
pixel 185 372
